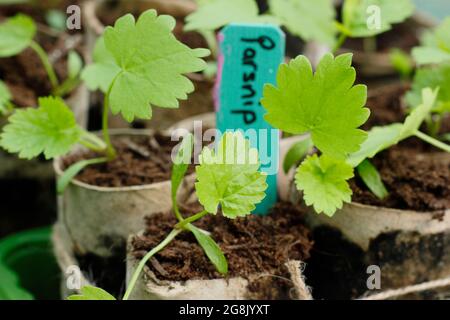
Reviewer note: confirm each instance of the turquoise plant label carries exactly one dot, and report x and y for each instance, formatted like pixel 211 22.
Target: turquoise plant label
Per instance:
pixel 250 57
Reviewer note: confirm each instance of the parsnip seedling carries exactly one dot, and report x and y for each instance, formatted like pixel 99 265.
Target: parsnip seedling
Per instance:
pixel 18 33
pixel 368 18
pixel 146 68
pixel 227 178
pixel 436 77
pixel 435 45
pixel 330 108
pixel 310 20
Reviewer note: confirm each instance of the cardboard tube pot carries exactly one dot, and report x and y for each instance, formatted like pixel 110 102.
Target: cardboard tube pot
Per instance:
pixel 149 287
pixel 201 100
pixel 408 246
pixel 99 219
pixel 72 278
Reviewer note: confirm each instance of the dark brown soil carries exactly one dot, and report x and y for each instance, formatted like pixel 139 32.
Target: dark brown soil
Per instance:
pixel 140 160
pixel 24 74
pixel 416 181
pixel 251 245
pixel 386 106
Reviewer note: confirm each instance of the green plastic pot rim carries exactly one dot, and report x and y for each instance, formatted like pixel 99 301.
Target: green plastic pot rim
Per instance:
pixel 23 237
pixel 113 132
pixel 11 245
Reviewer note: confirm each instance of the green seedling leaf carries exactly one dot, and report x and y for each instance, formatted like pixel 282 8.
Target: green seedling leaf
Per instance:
pixel 381 138
pixel 215 14
pixel 435 46
pixel 323 181
pixel 372 179
pixel 180 166
pixel 5 97
pixel 298 151
pixel 75 64
pixel 91 293
pixel 56 19
pixel 50 129
pixel 73 170
pixel 16 34
pixel 419 113
pixel 151 62
pixel 101 73
pixel 325 103
pixel 229 177
pixel 365 18
pixel 401 62
pixel 310 20
pixel 435 77
pixel 211 248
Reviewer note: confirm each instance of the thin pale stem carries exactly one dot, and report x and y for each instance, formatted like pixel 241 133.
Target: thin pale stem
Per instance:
pixel 177 210
pixel 438 144
pixel 147 257
pixel 339 42
pixel 46 62
pixel 66 87
pixel 195 217
pixel 92 142
pixel 110 151
pixel 370 44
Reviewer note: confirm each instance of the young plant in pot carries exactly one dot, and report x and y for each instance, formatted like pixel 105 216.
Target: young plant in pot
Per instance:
pixel 123 177
pixel 433 59
pixel 371 28
pixel 330 108
pixel 34 60
pixel 316 24
pixel 229 182
pixel 99 14
pixel 21 51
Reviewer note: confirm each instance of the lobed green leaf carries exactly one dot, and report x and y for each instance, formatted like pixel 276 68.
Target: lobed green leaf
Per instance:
pixel 228 177
pixel 360 17
pixel 16 34
pixel 50 129
pixel 152 63
pixel 325 104
pixel 323 181
pixel 101 73
pixel 215 14
pixel 310 20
